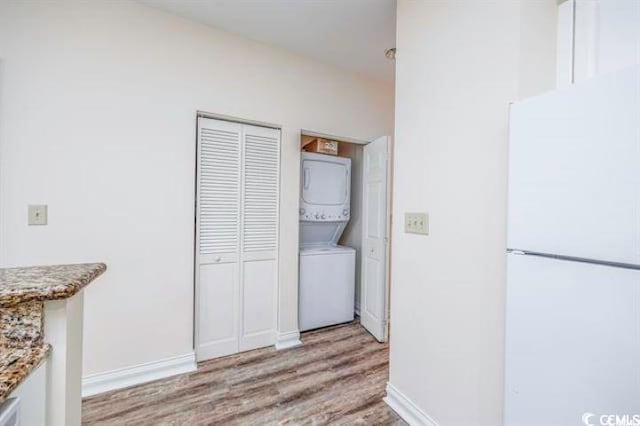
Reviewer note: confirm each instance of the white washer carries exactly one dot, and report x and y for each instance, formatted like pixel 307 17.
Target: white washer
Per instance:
pixel 327 271
pixel 327 291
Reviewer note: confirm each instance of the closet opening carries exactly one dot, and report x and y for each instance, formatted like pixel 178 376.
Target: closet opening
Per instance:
pixel 344 232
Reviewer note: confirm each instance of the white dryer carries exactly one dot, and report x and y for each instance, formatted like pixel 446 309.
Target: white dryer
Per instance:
pixel 325 193
pixel 327 270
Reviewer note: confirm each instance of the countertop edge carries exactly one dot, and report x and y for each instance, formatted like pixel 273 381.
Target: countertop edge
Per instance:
pixel 14 297
pixel 12 376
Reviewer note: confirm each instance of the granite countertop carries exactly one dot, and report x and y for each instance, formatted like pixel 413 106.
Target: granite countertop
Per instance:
pixel 19 285
pixel 23 292
pixel 17 364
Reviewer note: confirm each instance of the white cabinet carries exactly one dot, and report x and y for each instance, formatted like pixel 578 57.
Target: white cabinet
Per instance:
pixel 10 412
pixel 596 37
pixel 236 237
pixel 33 397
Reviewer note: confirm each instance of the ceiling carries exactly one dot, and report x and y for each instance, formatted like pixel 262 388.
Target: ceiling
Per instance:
pixel 351 34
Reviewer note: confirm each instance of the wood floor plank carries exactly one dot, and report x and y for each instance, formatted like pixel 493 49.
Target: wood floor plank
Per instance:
pixel 338 376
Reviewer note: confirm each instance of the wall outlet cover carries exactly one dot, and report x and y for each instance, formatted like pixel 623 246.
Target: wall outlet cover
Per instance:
pixel 416 223
pixel 37 214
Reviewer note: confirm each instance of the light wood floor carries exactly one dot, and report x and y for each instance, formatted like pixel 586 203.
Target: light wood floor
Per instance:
pixel 337 377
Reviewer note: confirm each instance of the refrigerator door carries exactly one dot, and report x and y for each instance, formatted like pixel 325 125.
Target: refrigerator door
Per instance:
pixel 574 170
pixel 572 341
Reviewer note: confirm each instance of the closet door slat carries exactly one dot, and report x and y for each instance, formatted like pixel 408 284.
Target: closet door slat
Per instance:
pixel 260 197
pixel 219 186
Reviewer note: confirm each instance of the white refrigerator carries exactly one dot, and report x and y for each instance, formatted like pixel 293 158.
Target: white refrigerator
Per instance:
pixel 573 259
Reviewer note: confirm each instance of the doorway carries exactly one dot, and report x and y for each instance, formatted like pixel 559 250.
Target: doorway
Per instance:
pixel 366 230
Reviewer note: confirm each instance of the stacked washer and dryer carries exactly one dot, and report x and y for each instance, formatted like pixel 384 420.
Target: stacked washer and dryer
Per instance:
pixel 327 270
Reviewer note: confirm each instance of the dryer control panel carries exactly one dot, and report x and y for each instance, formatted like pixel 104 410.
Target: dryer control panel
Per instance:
pixel 324 215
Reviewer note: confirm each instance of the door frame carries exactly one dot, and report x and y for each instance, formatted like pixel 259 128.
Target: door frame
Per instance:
pixel 196 216
pixel 389 217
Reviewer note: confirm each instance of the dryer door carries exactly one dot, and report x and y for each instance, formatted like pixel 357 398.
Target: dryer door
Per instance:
pixel 325 181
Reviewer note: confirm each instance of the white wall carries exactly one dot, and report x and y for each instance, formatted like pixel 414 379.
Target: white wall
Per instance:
pixel 459 65
pixel 98 115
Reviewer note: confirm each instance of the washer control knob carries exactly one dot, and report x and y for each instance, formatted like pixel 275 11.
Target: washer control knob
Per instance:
pixel 302 211
pixel 317 216
pixel 345 212
pixel 323 216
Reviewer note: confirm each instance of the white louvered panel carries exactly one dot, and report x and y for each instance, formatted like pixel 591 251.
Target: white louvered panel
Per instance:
pixel 237 234
pixel 260 196
pixel 219 187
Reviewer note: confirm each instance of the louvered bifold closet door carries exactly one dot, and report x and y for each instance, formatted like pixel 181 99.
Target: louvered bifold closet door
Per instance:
pixel 259 245
pixel 218 222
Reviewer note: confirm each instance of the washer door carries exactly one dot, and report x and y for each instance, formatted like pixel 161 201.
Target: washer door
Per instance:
pixel 327 289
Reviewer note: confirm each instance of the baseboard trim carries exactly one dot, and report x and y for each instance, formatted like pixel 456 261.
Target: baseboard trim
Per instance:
pixel 94 384
pixel 288 340
pixel 406 409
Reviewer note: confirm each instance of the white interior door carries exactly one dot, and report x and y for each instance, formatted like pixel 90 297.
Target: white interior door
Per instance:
pixel 374 305
pixel 259 253
pixel 237 237
pixel 217 238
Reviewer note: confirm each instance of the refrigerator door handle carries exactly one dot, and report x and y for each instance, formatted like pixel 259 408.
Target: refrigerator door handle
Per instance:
pixel 621 265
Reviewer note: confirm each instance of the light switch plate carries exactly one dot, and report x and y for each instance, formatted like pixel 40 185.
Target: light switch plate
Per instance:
pixel 416 223
pixel 37 214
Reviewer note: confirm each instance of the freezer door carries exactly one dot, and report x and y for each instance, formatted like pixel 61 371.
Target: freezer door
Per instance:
pixel 572 341
pixel 574 170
